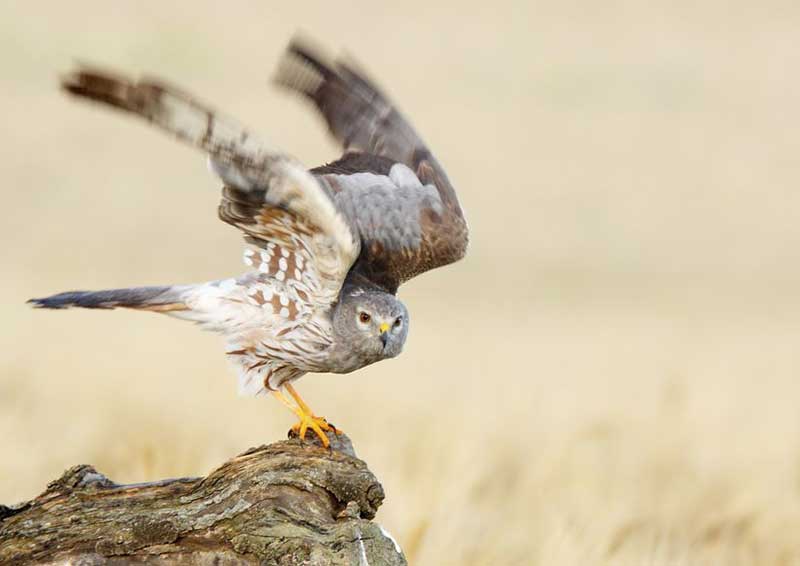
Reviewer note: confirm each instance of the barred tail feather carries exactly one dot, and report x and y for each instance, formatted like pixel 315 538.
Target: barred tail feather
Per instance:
pixel 159 299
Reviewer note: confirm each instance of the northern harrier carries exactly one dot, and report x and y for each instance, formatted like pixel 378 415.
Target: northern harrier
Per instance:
pixel 328 247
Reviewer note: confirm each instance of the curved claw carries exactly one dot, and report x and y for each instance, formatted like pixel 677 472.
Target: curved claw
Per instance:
pixel 318 424
pixel 307 419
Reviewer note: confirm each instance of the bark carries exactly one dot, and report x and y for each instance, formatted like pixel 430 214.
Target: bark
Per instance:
pixel 287 503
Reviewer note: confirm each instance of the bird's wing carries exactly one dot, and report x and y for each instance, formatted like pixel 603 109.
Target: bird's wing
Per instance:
pixel 388 184
pixel 274 200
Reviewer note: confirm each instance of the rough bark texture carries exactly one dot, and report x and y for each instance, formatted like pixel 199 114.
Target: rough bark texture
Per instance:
pixel 287 503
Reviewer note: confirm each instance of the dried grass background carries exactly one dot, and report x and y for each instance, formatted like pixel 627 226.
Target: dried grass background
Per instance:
pixel 612 376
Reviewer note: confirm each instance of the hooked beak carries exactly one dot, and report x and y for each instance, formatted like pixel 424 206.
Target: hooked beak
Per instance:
pixel 384 329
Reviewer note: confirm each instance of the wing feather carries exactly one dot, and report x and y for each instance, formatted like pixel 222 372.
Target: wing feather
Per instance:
pixel 391 188
pixel 267 194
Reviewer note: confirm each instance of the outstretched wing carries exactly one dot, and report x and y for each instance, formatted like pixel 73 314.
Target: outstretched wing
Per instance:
pixel 388 184
pixel 273 199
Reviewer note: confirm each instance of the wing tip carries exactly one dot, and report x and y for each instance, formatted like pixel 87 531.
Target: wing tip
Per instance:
pixel 92 83
pixel 303 68
pixel 142 96
pixel 310 52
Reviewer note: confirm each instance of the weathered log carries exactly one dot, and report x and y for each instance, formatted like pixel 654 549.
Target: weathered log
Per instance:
pixel 286 503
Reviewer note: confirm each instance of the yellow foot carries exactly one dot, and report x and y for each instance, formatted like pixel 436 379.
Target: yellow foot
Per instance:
pixel 308 420
pixel 318 424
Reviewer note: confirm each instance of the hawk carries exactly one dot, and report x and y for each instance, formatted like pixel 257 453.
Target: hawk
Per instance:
pixel 327 247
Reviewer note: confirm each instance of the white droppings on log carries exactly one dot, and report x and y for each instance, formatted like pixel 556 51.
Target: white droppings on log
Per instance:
pixel 388 535
pixel 362 552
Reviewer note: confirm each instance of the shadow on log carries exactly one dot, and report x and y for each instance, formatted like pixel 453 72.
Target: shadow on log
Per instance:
pixel 287 503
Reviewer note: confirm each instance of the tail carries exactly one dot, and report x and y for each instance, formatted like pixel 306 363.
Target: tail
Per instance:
pixel 168 299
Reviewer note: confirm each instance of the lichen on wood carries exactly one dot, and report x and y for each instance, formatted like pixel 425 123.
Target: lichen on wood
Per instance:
pixel 287 503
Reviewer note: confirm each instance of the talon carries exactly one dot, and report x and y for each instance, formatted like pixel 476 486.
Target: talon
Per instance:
pixel 307 419
pixel 315 423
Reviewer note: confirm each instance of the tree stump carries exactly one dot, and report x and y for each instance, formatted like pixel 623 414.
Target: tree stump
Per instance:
pixel 287 503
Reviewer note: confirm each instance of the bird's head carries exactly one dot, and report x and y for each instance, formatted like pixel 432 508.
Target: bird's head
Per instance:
pixel 372 324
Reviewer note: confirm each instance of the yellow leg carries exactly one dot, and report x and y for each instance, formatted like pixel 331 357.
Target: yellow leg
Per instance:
pixel 306 417
pixel 296 396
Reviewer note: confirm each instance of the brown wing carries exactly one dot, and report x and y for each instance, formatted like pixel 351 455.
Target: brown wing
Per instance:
pixel 268 195
pixel 388 184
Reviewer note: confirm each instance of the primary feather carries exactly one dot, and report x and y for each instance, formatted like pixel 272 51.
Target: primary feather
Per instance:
pixel 388 184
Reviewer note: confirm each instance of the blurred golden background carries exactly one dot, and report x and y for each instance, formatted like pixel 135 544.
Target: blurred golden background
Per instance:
pixel 611 376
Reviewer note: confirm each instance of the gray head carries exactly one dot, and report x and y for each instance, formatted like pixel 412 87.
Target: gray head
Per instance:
pixel 368 326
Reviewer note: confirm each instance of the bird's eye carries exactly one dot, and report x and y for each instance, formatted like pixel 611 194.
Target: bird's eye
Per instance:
pixel 364 317
pixel 398 321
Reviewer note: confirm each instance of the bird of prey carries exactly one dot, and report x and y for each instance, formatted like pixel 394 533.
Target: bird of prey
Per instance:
pixel 328 247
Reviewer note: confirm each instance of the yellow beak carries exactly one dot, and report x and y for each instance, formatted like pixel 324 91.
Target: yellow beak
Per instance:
pixel 384 327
